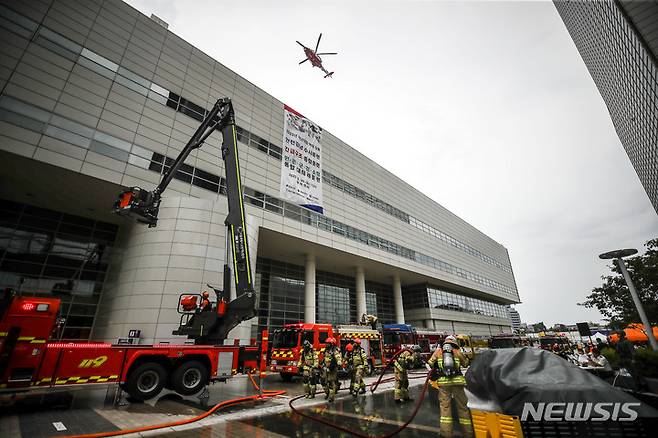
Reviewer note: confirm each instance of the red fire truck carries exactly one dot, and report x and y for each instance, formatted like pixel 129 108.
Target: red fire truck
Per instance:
pixel 287 344
pixel 29 360
pixel 399 336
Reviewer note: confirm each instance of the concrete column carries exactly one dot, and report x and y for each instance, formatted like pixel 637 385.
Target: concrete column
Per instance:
pixel 429 324
pixel 397 299
pixel 360 292
pixel 309 289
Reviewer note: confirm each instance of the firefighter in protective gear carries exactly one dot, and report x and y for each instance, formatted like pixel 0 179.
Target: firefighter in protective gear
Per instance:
pixel 370 320
pixel 402 363
pixel 205 302
pixel 446 363
pixel 347 363
pixel 308 362
pixel 417 356
pixel 331 362
pixel 359 362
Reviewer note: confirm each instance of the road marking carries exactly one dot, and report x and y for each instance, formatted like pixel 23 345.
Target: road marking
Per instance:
pixel 376 419
pixel 59 426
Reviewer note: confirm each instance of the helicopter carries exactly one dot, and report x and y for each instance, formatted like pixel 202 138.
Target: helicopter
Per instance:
pixel 314 57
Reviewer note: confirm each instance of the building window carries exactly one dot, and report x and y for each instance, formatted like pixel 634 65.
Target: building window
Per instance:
pixel 371 303
pixel 46 253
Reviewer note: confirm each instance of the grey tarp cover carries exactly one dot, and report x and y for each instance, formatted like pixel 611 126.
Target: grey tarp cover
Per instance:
pixel 503 380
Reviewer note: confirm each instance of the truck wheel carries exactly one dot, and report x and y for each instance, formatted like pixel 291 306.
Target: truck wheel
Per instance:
pixel 189 378
pixel 146 381
pixel 286 377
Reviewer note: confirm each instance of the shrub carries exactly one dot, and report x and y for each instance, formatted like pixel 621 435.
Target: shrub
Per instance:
pixel 646 361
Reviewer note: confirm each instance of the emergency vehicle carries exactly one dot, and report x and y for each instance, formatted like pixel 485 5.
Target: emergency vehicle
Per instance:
pixel 546 341
pixel 29 360
pixel 287 344
pixel 399 336
pixel 507 340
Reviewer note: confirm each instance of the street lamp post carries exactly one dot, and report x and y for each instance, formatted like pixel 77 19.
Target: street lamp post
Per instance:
pixel 618 257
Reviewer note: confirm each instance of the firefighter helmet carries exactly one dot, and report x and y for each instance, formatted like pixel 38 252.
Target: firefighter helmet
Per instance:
pixel 451 340
pixel 307 345
pixel 331 341
pixel 349 347
pixel 357 341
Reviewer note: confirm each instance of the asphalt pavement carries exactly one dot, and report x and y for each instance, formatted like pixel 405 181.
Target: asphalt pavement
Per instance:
pixel 94 410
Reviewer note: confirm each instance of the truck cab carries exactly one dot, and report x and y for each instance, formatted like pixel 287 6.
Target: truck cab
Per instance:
pixel 287 345
pixel 399 336
pixel 26 324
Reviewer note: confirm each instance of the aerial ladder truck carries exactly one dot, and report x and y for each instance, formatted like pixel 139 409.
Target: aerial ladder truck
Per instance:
pixel 30 360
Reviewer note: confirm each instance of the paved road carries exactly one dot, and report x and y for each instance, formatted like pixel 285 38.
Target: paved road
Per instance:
pixel 93 410
pixel 371 415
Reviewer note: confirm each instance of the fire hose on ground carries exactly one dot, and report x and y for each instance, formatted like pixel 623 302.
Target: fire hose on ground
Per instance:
pixel 373 387
pixel 263 394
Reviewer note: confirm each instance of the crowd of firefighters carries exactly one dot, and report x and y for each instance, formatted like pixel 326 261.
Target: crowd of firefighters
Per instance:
pixel 445 375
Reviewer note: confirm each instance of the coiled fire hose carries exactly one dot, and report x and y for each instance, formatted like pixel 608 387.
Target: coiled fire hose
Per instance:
pixel 262 395
pixel 373 387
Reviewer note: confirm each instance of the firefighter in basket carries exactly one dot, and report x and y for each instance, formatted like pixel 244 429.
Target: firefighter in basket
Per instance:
pixel 370 320
pixel 359 363
pixel 331 362
pixel 447 378
pixel 308 363
pixel 402 363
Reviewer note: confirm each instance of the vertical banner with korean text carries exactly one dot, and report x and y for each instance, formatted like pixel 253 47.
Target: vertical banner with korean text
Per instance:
pixel 301 161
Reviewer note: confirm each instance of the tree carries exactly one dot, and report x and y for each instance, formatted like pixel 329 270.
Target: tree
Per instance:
pixel 613 299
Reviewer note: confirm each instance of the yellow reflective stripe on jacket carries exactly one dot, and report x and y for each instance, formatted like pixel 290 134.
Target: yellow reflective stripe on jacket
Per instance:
pixel 359 359
pixel 445 419
pixel 454 380
pixel 446 381
pixel 309 360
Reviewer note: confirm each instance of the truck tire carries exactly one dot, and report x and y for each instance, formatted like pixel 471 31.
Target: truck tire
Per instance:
pixel 189 378
pixel 146 381
pixel 286 377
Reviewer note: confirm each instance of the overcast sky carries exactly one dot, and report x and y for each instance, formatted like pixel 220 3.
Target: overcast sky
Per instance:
pixel 504 125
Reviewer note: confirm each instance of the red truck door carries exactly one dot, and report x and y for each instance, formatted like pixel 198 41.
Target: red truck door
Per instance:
pixel 24 331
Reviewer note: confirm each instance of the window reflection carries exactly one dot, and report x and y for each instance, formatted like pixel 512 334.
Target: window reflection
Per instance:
pixel 48 253
pixel 422 296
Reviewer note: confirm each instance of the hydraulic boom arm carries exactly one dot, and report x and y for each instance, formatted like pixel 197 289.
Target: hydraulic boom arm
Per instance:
pixel 209 327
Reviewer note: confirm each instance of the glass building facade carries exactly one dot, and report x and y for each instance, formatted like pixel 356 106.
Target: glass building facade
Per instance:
pixel 423 296
pixel 618 41
pixel 52 254
pixel 281 296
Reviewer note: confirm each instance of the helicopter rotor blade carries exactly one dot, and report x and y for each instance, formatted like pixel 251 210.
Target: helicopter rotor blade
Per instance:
pixel 318 44
pixel 303 61
pixel 333 53
pixel 300 44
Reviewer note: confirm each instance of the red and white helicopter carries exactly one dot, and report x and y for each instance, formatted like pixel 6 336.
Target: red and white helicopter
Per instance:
pixel 314 57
